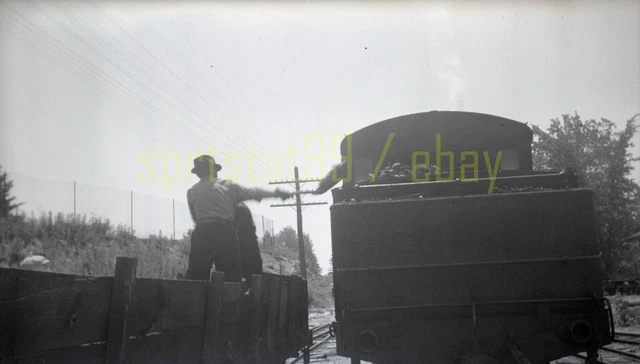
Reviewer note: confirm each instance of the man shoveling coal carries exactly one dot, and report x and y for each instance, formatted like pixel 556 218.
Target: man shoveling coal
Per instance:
pixel 212 203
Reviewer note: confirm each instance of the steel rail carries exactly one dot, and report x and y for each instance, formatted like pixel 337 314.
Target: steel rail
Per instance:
pixel 580 356
pixel 565 259
pixel 626 342
pixel 626 334
pixel 621 353
pixel 313 347
pixel 320 327
pixel 322 334
pixel 307 350
pixel 585 358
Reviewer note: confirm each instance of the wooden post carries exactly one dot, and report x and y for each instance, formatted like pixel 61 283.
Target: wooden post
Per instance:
pixel 173 208
pixel 305 319
pixel 210 340
pixel 303 261
pixel 282 319
pixel 256 318
pixel 131 212
pixel 272 319
pixel 74 201
pixel 121 300
pixel 294 324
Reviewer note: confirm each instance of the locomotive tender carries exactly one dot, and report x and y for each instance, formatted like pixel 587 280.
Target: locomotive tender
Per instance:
pixel 486 261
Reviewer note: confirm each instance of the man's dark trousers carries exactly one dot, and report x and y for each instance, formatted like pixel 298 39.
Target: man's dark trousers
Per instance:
pixel 248 241
pixel 215 242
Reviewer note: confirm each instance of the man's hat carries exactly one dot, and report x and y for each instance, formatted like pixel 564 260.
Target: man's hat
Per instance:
pixel 203 162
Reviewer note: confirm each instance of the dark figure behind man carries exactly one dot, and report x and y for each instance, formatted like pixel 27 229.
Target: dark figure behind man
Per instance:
pixel 249 248
pixel 212 203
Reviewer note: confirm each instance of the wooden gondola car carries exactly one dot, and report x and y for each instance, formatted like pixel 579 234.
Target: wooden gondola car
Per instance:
pixel 59 318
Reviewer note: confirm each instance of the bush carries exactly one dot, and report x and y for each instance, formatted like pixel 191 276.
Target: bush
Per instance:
pixel 89 246
pixel 623 314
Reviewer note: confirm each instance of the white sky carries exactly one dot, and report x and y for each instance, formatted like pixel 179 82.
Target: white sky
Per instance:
pixel 86 87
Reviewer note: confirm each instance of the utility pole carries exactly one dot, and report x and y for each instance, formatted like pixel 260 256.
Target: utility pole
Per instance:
pixel 131 212
pixel 74 201
pixel 298 205
pixel 173 209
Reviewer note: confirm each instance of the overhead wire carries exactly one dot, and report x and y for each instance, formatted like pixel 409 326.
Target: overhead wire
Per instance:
pixel 177 77
pixel 207 82
pixel 201 78
pixel 66 58
pixel 229 84
pixel 69 54
pixel 47 41
pixel 131 77
pixel 143 70
pixel 121 69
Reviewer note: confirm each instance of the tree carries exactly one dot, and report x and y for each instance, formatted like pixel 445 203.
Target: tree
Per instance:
pixel 7 206
pixel 288 238
pixel 286 244
pixel 600 155
pixel 313 268
pixel 267 241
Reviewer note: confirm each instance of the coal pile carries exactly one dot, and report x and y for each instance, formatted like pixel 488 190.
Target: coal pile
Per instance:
pixel 507 189
pixel 398 173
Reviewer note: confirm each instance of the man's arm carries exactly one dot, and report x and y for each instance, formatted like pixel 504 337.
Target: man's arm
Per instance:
pixel 329 180
pixel 257 193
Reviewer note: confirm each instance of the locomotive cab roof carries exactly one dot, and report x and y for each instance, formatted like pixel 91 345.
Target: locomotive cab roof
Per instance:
pixel 457 131
pixel 426 154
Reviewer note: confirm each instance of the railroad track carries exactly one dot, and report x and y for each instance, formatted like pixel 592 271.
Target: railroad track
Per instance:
pixel 322 335
pixel 624 349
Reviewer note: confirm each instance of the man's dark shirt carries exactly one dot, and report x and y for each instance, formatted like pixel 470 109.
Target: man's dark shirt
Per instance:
pixel 249 249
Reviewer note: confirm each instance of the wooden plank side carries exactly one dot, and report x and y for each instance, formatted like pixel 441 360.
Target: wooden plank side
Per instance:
pixel 305 307
pixel 231 327
pixel 121 300
pixel 262 324
pixel 231 302
pixel 272 317
pixel 181 346
pixel 175 347
pixel 70 315
pixel 76 311
pixel 255 318
pixel 211 344
pixel 87 354
pixel 167 305
pixel 283 331
pixel 296 339
pixel 16 283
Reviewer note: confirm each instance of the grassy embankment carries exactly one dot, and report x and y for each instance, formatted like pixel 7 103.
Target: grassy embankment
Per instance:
pixel 89 246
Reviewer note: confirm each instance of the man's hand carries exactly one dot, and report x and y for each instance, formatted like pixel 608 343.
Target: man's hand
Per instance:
pixel 284 195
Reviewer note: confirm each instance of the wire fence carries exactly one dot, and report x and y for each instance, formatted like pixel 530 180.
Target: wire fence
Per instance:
pixel 142 214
